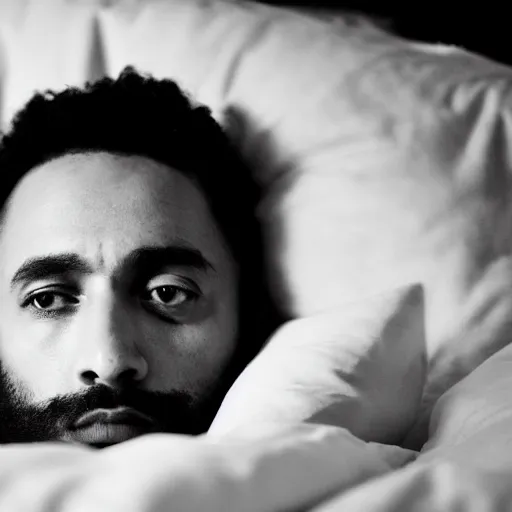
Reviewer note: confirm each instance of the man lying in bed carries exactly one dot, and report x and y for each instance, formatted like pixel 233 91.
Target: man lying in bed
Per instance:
pixel 129 265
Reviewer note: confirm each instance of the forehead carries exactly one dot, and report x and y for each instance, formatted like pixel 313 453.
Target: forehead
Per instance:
pixel 104 206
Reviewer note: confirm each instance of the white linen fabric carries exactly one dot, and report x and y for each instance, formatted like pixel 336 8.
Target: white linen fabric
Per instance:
pixel 361 367
pixel 384 162
pixel 467 463
pixel 277 471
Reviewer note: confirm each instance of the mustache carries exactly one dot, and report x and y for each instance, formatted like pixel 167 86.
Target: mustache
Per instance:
pixel 173 411
pixel 166 409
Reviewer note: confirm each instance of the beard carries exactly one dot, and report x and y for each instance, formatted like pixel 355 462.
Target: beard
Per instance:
pixel 172 412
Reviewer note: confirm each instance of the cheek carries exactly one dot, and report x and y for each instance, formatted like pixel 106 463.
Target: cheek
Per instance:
pixel 29 353
pixel 194 356
pixel 189 357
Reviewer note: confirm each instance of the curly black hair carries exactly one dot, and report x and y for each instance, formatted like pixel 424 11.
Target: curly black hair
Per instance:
pixel 131 115
pixel 140 115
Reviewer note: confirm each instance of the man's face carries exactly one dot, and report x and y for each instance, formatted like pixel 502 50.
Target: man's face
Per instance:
pixel 118 302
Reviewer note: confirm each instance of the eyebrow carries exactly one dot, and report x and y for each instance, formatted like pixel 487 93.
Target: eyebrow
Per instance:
pixel 46 266
pixel 147 260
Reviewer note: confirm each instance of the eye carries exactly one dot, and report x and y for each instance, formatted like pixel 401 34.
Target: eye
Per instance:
pixel 49 301
pixel 172 296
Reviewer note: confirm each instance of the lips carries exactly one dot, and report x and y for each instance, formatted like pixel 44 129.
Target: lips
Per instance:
pixel 109 426
pixel 120 415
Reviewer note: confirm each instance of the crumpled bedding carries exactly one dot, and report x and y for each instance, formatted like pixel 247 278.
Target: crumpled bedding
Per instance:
pixel 288 469
pixel 412 160
pixel 467 463
pixel 465 466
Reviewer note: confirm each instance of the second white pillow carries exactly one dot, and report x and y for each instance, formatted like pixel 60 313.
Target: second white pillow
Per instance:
pixel 362 368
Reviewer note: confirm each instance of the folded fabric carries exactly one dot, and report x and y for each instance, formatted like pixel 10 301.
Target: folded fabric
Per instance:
pixel 482 402
pixel 466 466
pixel 361 367
pixel 291 469
pixel 443 485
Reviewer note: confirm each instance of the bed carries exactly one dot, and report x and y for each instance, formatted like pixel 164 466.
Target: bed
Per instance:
pixel 385 169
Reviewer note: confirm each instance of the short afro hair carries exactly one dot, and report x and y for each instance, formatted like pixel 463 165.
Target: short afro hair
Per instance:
pixel 132 115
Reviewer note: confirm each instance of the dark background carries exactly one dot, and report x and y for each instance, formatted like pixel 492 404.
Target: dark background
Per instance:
pixel 481 27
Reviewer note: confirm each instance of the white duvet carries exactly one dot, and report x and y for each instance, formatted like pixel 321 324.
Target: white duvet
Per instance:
pixel 290 470
pixel 466 465
pixel 407 160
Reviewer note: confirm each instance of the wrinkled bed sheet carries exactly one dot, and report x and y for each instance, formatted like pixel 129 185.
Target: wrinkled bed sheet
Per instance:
pixel 467 463
pixel 291 469
pixel 465 466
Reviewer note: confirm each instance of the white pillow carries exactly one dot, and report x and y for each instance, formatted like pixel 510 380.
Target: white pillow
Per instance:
pixel 45 44
pixel 384 162
pixel 361 367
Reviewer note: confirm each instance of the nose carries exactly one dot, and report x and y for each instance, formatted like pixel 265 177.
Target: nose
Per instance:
pixel 108 346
